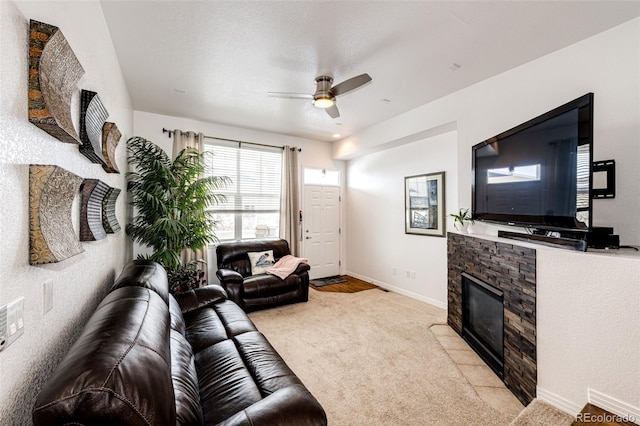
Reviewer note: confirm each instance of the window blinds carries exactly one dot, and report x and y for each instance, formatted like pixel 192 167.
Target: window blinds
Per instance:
pixel 255 174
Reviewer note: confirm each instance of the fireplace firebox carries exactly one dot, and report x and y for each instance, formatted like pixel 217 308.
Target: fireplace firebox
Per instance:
pixel 483 321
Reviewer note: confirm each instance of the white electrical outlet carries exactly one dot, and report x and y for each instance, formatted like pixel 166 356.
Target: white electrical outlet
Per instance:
pixel 47 296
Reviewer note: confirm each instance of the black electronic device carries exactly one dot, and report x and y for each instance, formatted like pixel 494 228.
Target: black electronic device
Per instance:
pixel 547 240
pixel 538 174
pixel 602 238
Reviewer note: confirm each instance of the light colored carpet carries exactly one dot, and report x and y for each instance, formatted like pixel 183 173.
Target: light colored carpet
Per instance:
pixel 539 413
pixel 370 359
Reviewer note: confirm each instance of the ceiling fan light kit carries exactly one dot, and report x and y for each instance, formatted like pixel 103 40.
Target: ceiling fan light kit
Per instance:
pixel 323 98
pixel 325 95
pixel 323 102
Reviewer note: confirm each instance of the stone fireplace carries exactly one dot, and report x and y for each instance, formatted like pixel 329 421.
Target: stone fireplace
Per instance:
pixel 508 274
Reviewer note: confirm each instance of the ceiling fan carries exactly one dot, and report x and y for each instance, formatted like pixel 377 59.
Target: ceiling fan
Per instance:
pixel 325 95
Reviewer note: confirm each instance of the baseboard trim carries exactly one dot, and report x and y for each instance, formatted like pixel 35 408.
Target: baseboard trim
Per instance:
pixel 614 406
pixel 399 290
pixel 558 402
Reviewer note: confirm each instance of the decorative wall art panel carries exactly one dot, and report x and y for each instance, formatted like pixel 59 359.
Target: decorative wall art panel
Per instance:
pixel 109 219
pixel 51 193
pixel 110 138
pixel 54 72
pixel 93 115
pixel 92 193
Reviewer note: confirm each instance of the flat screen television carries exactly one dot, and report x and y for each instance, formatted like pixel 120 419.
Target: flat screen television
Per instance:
pixel 538 174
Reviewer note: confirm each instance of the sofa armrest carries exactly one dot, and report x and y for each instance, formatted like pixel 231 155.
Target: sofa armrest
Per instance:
pixel 302 268
pixel 229 276
pixel 199 297
pixel 290 406
pixel 232 282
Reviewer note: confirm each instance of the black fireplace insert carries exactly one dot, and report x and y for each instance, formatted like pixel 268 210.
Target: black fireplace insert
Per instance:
pixel 483 321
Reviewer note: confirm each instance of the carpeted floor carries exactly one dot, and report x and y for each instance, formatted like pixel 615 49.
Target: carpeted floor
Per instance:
pixel 371 359
pixel 539 413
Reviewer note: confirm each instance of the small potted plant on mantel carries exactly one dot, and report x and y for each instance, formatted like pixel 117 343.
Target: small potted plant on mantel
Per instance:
pixel 462 219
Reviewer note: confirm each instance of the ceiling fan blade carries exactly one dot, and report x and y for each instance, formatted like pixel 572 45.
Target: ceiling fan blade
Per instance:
pixel 287 95
pixel 333 111
pixel 350 84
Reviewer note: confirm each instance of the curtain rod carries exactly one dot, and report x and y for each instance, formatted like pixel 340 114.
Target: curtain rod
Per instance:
pixel 233 140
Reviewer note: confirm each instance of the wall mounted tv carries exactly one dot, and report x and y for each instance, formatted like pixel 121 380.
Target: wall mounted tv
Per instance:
pixel 538 174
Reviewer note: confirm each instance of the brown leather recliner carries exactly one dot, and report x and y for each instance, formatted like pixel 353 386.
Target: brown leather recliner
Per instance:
pixel 253 292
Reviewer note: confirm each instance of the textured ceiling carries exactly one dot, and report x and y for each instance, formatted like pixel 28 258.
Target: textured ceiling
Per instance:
pixel 215 61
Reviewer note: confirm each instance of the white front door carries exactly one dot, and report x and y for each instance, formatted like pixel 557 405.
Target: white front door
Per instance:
pixel 321 230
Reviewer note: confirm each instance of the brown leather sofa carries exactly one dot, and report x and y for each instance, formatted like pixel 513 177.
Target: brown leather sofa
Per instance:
pixel 147 358
pixel 253 292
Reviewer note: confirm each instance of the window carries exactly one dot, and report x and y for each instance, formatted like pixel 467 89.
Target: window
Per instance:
pixel 252 207
pixel 321 177
pixel 513 174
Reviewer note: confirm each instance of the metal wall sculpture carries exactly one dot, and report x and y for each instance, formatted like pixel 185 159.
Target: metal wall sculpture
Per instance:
pixel 51 193
pixel 54 72
pixel 92 193
pixel 110 138
pixel 109 220
pixel 93 115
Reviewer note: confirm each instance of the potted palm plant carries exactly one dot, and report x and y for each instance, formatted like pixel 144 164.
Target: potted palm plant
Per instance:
pixel 462 219
pixel 172 201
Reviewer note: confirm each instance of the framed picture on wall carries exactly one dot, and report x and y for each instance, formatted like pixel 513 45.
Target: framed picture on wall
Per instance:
pixel 424 204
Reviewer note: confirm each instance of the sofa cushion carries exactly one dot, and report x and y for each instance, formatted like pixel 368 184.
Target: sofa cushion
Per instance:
pixel 215 323
pixel 266 285
pixel 226 385
pixel 264 363
pixel 199 297
pixel 118 371
pixel 144 273
pixel 185 381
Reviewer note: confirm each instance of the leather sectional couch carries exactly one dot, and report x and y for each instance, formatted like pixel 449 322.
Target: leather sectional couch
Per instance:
pixel 259 291
pixel 147 358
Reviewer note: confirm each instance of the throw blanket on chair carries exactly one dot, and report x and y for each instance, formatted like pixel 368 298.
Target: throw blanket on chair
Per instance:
pixel 286 266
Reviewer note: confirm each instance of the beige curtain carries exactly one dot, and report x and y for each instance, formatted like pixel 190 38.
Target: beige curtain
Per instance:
pixel 182 140
pixel 290 201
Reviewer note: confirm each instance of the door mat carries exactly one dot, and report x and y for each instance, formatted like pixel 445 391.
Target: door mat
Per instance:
pixel 327 281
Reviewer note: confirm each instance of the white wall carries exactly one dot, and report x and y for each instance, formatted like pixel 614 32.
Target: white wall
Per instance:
pixel 588 329
pixel 81 281
pixel 376 239
pixel 607 64
pixel 587 305
pixel 315 154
